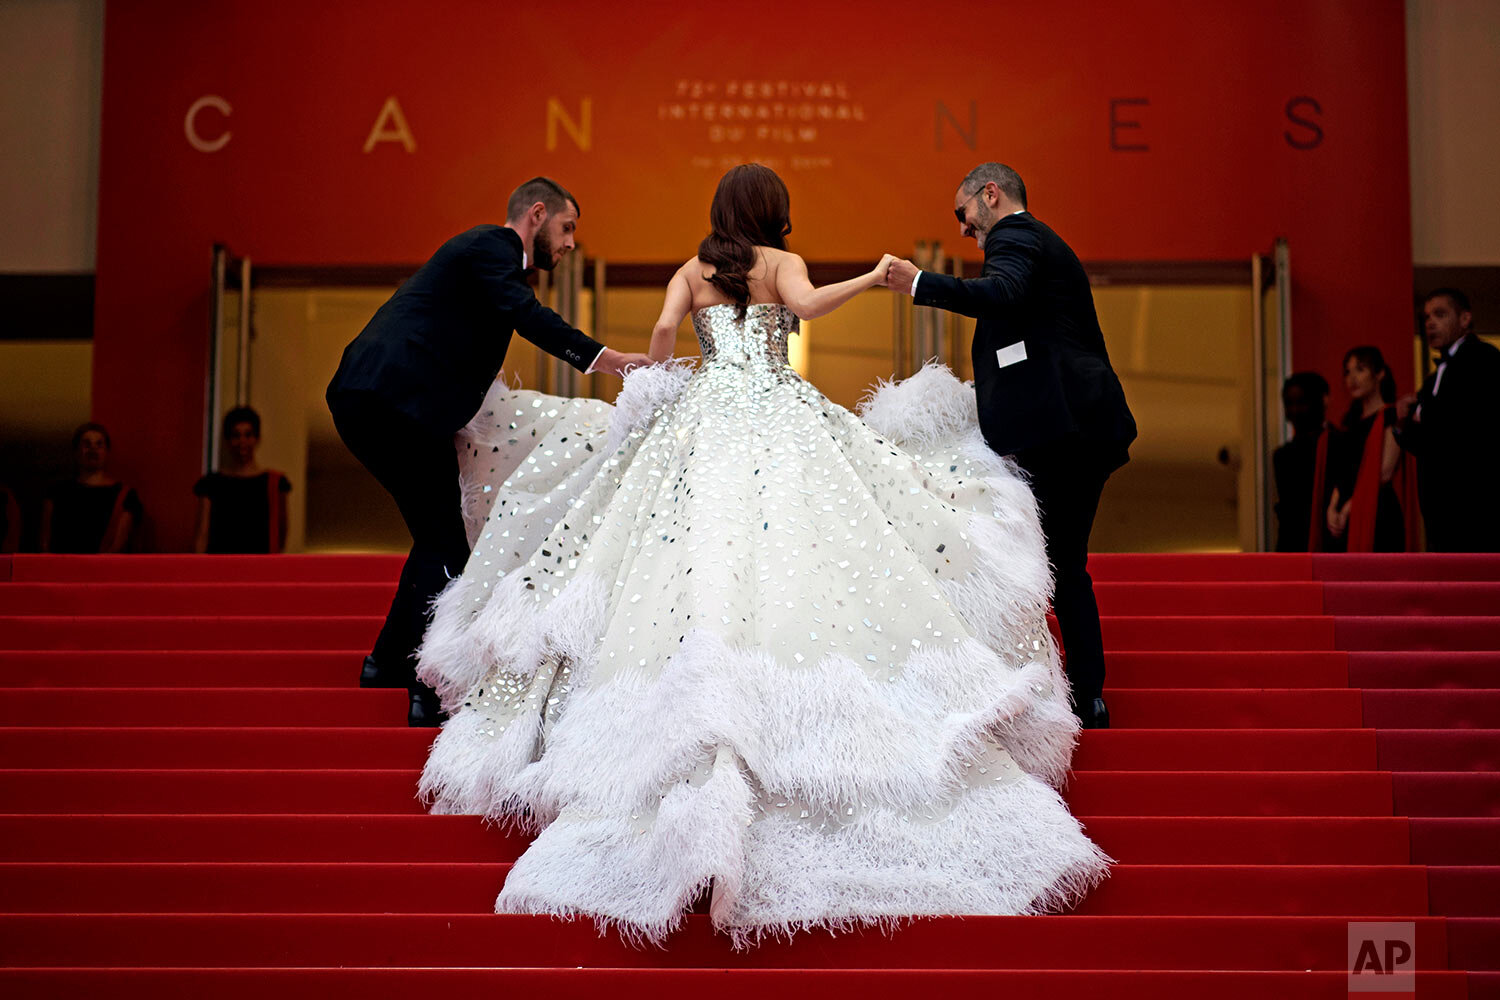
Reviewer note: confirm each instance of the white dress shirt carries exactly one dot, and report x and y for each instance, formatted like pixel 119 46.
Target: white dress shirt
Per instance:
pixel 1437 383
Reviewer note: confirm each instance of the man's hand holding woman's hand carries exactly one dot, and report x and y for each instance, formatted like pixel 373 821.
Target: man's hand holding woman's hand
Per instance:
pixel 618 363
pixel 899 274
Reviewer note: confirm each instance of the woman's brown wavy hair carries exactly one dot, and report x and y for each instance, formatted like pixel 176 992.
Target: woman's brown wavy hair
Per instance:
pixel 751 208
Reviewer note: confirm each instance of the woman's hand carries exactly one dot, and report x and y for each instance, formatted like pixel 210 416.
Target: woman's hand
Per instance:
pixel 883 268
pixel 1337 517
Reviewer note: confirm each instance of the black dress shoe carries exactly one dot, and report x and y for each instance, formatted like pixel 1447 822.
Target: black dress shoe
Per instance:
pixel 426 710
pixel 1096 716
pixel 372 676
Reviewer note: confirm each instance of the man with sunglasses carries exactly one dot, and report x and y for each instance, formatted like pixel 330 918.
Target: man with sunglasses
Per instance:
pixel 1047 394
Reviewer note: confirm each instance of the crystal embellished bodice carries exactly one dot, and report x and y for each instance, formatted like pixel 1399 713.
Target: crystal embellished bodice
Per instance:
pixel 759 339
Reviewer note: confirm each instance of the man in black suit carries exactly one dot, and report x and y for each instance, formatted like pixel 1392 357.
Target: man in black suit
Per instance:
pixel 1452 426
pixel 418 373
pixel 1047 394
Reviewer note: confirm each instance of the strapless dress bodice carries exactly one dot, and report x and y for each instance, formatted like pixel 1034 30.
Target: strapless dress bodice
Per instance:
pixel 760 338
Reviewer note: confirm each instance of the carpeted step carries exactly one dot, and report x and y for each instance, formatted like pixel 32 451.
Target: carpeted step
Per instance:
pixel 210 791
pixel 1446 793
pixel 1396 708
pixel 359 597
pixel 1176 567
pixel 1291 708
pixel 1455 840
pixel 1215 632
pixel 222 747
pixel 1270 840
pixel 1129 668
pixel 1220 749
pixel 1464 891
pixel 1473 942
pixel 1439 749
pixel 354 632
pixel 1285 597
pixel 168 568
pixel 470 940
pixel 1261 889
pixel 337 707
pixel 335 668
pixel 1364 840
pixel 1418 632
pixel 386 747
pixel 203 598
pixel 1406 566
pixel 1145 793
pixel 1406 597
pixel 1423 669
pixel 1222 793
pixel 722 984
pixel 187 632
pixel 350 706
pixel 156 668
pixel 1342 890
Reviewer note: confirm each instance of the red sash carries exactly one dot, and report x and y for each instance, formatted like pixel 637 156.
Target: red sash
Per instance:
pixel 1366 506
pixel 273 510
pixel 1317 524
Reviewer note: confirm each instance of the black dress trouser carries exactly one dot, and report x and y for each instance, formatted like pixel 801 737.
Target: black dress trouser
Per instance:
pixel 419 468
pixel 1067 481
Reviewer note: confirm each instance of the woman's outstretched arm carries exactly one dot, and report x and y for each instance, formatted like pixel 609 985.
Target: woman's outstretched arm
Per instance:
pixel 797 291
pixel 678 301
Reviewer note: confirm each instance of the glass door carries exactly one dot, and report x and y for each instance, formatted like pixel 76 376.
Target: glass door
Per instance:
pixel 1271 283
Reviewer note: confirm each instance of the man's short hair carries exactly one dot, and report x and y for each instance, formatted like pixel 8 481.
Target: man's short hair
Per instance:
pixel 1459 299
pixel 83 429
pixel 1005 178
pixel 553 196
pixel 242 415
pixel 1311 383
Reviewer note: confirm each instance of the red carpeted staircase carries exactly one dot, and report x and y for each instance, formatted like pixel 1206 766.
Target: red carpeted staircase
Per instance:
pixel 197 800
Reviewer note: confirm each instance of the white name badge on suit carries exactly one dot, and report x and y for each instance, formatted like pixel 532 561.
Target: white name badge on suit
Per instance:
pixel 1011 355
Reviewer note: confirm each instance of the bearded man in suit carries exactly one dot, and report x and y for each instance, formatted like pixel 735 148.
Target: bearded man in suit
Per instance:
pixel 1047 395
pixel 418 373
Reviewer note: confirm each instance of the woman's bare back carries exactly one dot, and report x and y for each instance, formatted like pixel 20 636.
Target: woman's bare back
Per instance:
pixel 778 277
pixel 761 280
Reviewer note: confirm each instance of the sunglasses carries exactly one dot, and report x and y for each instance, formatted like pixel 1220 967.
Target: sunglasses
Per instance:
pixel 962 211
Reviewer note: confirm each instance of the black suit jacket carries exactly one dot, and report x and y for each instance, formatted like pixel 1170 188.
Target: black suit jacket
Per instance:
pixel 1457 441
pixel 433 350
pixel 1033 292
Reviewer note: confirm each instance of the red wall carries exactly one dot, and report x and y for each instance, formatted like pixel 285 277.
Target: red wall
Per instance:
pixel 1221 175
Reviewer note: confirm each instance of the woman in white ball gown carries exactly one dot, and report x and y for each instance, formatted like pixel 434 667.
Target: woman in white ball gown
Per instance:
pixel 728 636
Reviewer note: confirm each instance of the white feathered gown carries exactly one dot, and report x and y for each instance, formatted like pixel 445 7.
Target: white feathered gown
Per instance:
pixel 729 635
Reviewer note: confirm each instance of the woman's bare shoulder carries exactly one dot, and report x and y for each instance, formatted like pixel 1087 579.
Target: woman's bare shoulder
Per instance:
pixel 776 259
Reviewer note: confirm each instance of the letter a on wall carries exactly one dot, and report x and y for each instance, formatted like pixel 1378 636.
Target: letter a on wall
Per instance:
pixel 390 126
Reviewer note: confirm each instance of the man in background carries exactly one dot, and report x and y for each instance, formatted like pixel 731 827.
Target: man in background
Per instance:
pixel 1452 426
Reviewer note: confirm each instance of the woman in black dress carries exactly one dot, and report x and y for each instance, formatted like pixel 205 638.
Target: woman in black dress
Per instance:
pixel 10 521
pixel 1364 512
pixel 92 512
pixel 242 507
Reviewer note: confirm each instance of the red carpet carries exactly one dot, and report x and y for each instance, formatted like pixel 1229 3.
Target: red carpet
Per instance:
pixel 196 800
